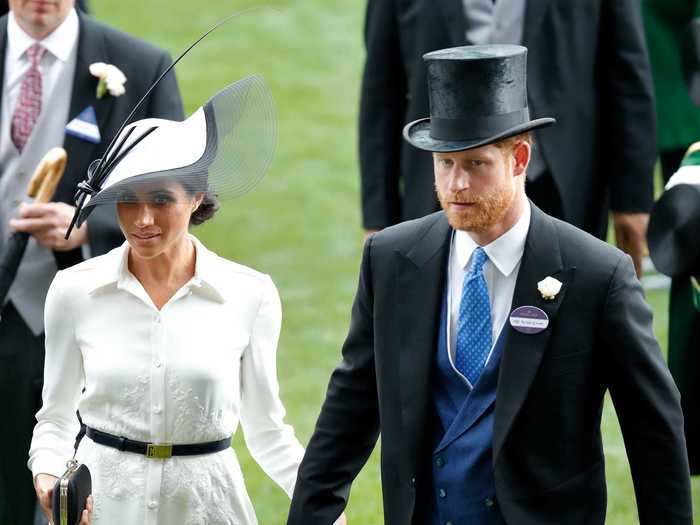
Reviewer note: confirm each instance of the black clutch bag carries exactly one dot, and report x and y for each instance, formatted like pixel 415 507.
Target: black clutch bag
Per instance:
pixel 70 494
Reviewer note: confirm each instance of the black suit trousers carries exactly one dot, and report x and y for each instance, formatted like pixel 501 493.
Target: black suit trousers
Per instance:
pixel 21 381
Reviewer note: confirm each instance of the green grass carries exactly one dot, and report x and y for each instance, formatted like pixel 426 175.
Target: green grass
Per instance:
pixel 302 224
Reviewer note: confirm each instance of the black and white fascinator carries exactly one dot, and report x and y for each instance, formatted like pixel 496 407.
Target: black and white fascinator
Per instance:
pixel 225 148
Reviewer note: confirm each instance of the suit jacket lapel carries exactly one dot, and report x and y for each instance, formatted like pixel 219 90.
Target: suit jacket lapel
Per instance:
pixel 91 48
pixel 420 282
pixel 453 12
pixel 523 353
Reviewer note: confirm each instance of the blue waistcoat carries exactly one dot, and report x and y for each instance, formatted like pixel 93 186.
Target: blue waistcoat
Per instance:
pixel 463 485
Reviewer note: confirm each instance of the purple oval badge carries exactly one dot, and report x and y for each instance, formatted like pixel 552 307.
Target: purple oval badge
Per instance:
pixel 529 320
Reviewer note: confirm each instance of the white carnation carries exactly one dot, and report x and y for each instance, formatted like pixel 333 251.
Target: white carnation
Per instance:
pixel 115 88
pixel 114 75
pixel 111 76
pixel 549 287
pixel 98 69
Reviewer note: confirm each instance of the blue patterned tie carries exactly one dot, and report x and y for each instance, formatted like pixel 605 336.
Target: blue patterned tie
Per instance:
pixel 474 323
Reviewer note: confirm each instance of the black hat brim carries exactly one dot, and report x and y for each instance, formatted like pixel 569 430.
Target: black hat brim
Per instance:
pixel 417 133
pixel 674 230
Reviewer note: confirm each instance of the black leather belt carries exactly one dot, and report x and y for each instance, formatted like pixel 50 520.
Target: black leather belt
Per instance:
pixel 156 450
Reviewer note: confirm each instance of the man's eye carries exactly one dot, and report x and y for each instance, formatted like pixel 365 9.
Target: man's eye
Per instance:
pixel 447 163
pixel 477 163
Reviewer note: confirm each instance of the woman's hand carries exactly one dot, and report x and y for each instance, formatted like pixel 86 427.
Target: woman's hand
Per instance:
pixel 87 513
pixel 43 485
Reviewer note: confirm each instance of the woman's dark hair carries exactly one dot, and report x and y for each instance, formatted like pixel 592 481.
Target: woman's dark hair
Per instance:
pixel 209 205
pixel 206 210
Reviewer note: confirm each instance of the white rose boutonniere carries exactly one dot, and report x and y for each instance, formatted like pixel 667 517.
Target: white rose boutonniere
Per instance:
pixel 549 288
pixel 111 79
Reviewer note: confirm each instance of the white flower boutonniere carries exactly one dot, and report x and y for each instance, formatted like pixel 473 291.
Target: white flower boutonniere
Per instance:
pixel 111 79
pixel 549 288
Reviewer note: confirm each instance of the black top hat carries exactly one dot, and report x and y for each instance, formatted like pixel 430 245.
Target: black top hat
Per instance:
pixel 674 231
pixel 478 95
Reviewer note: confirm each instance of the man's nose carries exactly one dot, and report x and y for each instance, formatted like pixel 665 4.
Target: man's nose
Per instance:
pixel 457 179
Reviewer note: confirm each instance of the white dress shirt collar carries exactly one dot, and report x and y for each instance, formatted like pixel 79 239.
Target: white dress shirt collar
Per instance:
pixel 501 274
pixel 59 43
pixel 504 252
pixel 207 279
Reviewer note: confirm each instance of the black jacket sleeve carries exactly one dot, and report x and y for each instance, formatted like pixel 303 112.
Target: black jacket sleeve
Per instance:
pixel 382 111
pixel 647 403
pixel 348 426
pixel 629 147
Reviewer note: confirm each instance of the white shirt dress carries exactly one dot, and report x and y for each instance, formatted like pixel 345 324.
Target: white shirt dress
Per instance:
pixel 185 374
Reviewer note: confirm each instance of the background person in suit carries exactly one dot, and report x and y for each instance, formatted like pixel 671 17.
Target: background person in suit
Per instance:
pixel 68 43
pixel 589 69
pixel 490 413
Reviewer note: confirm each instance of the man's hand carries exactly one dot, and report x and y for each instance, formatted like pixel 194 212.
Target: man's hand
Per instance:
pixel 630 235
pixel 342 520
pixel 48 224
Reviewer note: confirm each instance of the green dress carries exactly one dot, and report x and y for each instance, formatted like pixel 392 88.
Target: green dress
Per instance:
pixel 665 24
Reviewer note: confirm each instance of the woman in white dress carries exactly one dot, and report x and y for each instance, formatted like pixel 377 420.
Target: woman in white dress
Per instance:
pixel 161 342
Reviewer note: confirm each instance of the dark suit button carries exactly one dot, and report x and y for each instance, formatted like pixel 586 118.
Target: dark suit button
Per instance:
pixel 442 493
pixel 439 462
pixel 488 502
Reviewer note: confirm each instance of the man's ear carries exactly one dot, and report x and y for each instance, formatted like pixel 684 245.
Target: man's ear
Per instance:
pixel 522 152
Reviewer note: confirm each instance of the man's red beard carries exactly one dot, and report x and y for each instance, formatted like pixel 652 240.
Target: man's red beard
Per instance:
pixel 485 210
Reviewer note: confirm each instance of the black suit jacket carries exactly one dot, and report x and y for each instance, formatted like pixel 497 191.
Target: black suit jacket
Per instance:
pixel 547 449
pixel 142 63
pixel 587 67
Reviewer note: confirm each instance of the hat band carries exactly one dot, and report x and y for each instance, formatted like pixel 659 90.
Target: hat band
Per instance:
pixel 477 127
